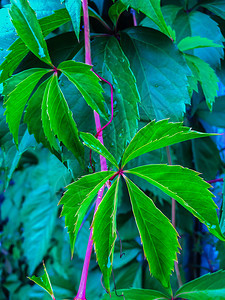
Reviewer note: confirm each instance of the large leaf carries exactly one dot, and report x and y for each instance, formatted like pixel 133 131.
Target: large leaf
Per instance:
pixel 161 73
pixel 137 294
pixel 194 196
pixel 86 82
pixel 93 143
pixel 217 7
pixel 158 236
pixel 157 135
pixel 16 99
pixel 74 8
pixel 194 42
pixel 77 200
pixel 104 232
pixel 207 287
pixel 28 28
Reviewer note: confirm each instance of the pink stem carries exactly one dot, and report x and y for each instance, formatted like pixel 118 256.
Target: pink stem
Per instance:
pixel 134 16
pixel 215 180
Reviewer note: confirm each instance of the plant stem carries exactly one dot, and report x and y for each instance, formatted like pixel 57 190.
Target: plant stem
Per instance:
pixel 134 16
pixel 215 180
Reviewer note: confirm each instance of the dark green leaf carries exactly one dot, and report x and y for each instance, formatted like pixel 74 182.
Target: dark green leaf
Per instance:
pixel 94 144
pixel 217 7
pixel 86 82
pixel 222 213
pixel 194 195
pixel 104 232
pixel 116 10
pixel 77 200
pixel 157 135
pixel 16 99
pixel 137 294
pixel 158 236
pixel 74 10
pixel 28 28
pixel 207 287
pixel 194 42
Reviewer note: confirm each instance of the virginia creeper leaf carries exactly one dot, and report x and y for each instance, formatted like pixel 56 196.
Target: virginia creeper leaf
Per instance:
pixel 157 135
pixel 77 200
pixel 217 7
pixel 194 195
pixel 86 82
pixel 222 212
pixel 194 42
pixel 28 28
pixel 16 100
pixel 158 236
pixel 116 10
pixel 74 10
pixel 44 281
pixel 206 287
pixel 104 232
pixel 94 144
pixel 137 294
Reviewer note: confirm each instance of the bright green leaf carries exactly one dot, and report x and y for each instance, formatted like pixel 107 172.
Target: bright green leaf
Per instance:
pixel 104 232
pixel 137 294
pixel 77 200
pixel 217 7
pixel 74 9
pixel 158 236
pixel 94 144
pixel 116 10
pixel 206 287
pixel 193 195
pixel 194 42
pixel 16 99
pixel 28 28
pixel 157 135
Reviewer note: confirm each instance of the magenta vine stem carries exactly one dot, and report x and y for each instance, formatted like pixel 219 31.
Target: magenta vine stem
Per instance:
pixel 134 16
pixel 216 180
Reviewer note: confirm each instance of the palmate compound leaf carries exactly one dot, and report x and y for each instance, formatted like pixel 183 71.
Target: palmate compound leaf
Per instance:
pixel 44 282
pixel 187 187
pixel 156 135
pixel 17 96
pixel 194 42
pixel 137 294
pixel 94 144
pixel 104 232
pixel 158 236
pixel 86 82
pixel 28 28
pixel 77 200
pixel 207 287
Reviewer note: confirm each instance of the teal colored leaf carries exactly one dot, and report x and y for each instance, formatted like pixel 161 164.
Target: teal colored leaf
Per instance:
pixel 104 232
pixel 94 144
pixel 194 195
pixel 61 120
pixel 28 28
pixel 44 282
pixel 116 10
pixel 206 287
pixel 194 42
pixel 158 236
pixel 86 82
pixel 74 10
pixel 157 135
pixel 217 7
pixel 206 77
pixel 137 294
pixel 78 198
pixel 16 99
pixel 222 213
pixel 161 73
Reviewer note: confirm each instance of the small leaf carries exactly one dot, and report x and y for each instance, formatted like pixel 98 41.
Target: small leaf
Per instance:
pixel 28 28
pixel 157 135
pixel 94 144
pixel 44 282
pixel 17 97
pixel 74 10
pixel 193 195
pixel 77 200
pixel 86 82
pixel 194 42
pixel 104 232
pixel 206 287
pixel 158 236
pixel 116 10
pixel 137 294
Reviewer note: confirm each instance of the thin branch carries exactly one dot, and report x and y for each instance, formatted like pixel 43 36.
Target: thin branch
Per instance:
pixel 215 180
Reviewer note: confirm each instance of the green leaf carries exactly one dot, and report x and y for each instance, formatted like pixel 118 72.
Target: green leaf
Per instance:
pixel 28 28
pixel 157 135
pixel 77 200
pixel 74 10
pixel 194 195
pixel 104 232
pixel 44 281
pixel 94 144
pixel 222 212
pixel 161 73
pixel 137 294
pixel 152 9
pixel 16 99
pixel 86 82
pixel 206 76
pixel 116 10
pixel 61 121
pixel 158 236
pixel 194 42
pixel 217 7
pixel 206 287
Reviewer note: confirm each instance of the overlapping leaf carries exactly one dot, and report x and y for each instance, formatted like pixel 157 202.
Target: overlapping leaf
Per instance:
pixel 194 42
pixel 217 7
pixel 104 232
pixel 77 200
pixel 116 10
pixel 137 294
pixel 74 9
pixel 158 236
pixel 194 195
